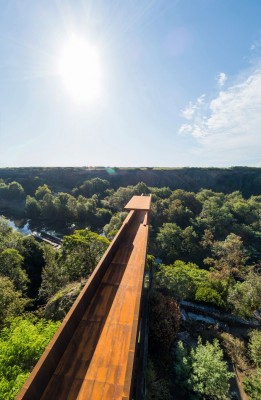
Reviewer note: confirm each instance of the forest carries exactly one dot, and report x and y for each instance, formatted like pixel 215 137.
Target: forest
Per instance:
pixel 204 254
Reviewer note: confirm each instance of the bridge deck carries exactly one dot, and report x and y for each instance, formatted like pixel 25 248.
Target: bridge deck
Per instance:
pixel 98 361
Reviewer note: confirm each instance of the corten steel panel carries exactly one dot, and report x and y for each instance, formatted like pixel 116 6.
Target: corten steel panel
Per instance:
pixel 95 356
pixel 139 203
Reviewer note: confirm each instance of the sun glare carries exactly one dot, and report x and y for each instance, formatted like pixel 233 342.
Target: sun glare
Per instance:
pixel 80 69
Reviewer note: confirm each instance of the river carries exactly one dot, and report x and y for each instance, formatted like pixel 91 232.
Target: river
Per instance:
pixel 21 226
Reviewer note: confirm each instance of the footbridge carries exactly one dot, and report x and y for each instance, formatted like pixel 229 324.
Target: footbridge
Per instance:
pixel 92 355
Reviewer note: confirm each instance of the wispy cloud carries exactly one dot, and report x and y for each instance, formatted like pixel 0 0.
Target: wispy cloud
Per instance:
pixel 222 79
pixel 190 111
pixel 227 127
pixel 256 45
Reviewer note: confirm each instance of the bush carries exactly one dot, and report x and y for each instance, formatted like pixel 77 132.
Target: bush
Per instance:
pixel 12 302
pixel 252 386
pixel 209 295
pixel 255 347
pixel 22 342
pixel 236 350
pixel 181 279
pixel 59 305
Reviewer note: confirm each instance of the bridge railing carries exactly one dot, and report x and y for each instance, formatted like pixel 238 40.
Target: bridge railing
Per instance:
pixel 45 367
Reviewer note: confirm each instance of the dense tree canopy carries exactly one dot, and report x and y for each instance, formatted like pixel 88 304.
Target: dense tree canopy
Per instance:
pixel 22 342
pixel 81 252
pixel 205 247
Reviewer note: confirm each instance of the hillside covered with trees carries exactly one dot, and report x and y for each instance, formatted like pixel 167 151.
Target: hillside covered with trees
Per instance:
pixel 245 179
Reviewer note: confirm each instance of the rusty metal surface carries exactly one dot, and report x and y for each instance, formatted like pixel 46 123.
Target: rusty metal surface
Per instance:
pixel 139 203
pixel 96 359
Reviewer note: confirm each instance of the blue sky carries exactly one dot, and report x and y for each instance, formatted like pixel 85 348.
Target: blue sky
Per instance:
pixel 180 83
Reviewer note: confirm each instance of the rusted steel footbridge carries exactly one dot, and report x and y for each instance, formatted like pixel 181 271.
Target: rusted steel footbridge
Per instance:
pixel 92 354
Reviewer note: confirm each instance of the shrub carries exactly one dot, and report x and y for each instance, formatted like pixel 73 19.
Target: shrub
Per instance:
pixel 22 342
pixel 236 350
pixel 12 302
pixel 164 320
pixel 255 347
pixel 181 279
pixel 209 295
pixel 252 385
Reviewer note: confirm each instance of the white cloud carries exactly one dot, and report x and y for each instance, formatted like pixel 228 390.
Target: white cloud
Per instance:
pixel 256 45
pixel 227 129
pixel 186 128
pixel 191 109
pixel 222 78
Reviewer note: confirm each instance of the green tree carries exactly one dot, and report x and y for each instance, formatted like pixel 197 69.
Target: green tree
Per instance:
pixel 41 191
pixel 33 263
pixel 53 277
pixel 81 252
pixel 245 297
pixel 179 214
pixel 119 199
pixel 32 208
pixel 245 211
pixel 202 372
pixel 3 190
pixel 9 238
pixel 15 191
pixel 216 215
pixel 11 266
pixel 191 251
pixel 114 225
pixel 12 302
pixel 168 241
pixel 92 186
pixel 159 214
pixel 22 342
pixel 182 368
pixel 66 207
pixel 163 193
pixel 230 258
pixel 188 199
pixel 48 207
pixel 103 216
pixel 210 374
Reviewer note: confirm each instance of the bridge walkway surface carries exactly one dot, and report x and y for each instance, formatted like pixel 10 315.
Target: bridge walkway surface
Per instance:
pixel 97 361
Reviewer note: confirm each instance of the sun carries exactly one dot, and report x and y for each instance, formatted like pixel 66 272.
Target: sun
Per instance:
pixel 80 69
